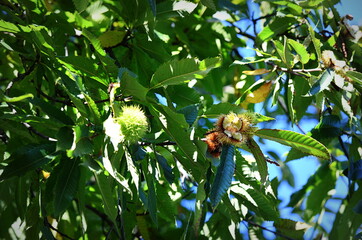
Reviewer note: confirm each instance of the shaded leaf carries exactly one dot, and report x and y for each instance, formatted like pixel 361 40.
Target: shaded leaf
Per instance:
pixel 66 185
pixel 28 158
pixel 291 228
pixel 260 159
pixel 104 185
pixel 224 174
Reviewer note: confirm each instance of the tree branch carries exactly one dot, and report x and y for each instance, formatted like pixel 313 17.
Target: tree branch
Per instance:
pixel 266 229
pixel 46 223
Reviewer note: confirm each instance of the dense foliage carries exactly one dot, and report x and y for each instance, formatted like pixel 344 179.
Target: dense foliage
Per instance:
pixel 105 106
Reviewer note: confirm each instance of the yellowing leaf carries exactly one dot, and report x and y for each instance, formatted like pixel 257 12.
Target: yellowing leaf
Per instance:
pixel 45 174
pixel 258 95
pixel 111 38
pixel 256 71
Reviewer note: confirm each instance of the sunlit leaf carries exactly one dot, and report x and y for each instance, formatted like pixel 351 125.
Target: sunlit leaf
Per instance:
pixel 323 83
pixel 256 71
pixel 278 26
pixel 296 140
pixel 291 228
pixel 181 71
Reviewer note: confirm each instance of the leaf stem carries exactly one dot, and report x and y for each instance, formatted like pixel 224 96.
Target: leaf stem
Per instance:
pixel 266 229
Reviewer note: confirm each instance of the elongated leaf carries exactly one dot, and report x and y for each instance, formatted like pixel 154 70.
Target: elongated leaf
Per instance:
pixel 174 125
pixel 66 185
pixel 28 158
pixel 84 66
pixel 301 50
pixel 266 207
pixel 355 76
pixel 95 115
pixel 200 198
pixel 347 221
pixel 221 108
pixel 65 138
pixel 319 191
pixel 316 41
pixel 291 228
pixel 52 111
pixel 95 42
pixel 151 197
pixel 104 185
pixel 260 159
pixel 290 92
pixel 180 71
pixel 323 82
pixel 278 26
pixel 224 175
pixel 295 140
pixel 130 86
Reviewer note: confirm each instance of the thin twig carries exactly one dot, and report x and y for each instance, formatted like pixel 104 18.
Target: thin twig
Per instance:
pixel 53 228
pixel 31 129
pixel 166 143
pixel 266 229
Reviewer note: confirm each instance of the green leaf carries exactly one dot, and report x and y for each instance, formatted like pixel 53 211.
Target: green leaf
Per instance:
pixel 17 28
pixel 300 50
pixel 174 125
pixel 319 191
pixel 295 140
pixel 151 196
pixel 200 198
pixel 80 5
pixel 95 42
pixel 104 186
pixel 53 112
pixel 190 113
pixel 65 138
pixel 209 3
pixel 130 86
pixel 66 185
pixel 293 6
pixel 323 82
pixel 316 42
pixel 224 175
pixel 180 71
pixel 347 221
pixel 95 116
pixel 267 208
pixel 84 66
pixel 260 159
pixel 166 169
pixel 221 108
pixel 290 228
pixel 261 118
pixel 290 92
pixel 111 38
pixel 28 158
pixel 355 76
pixel 278 26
